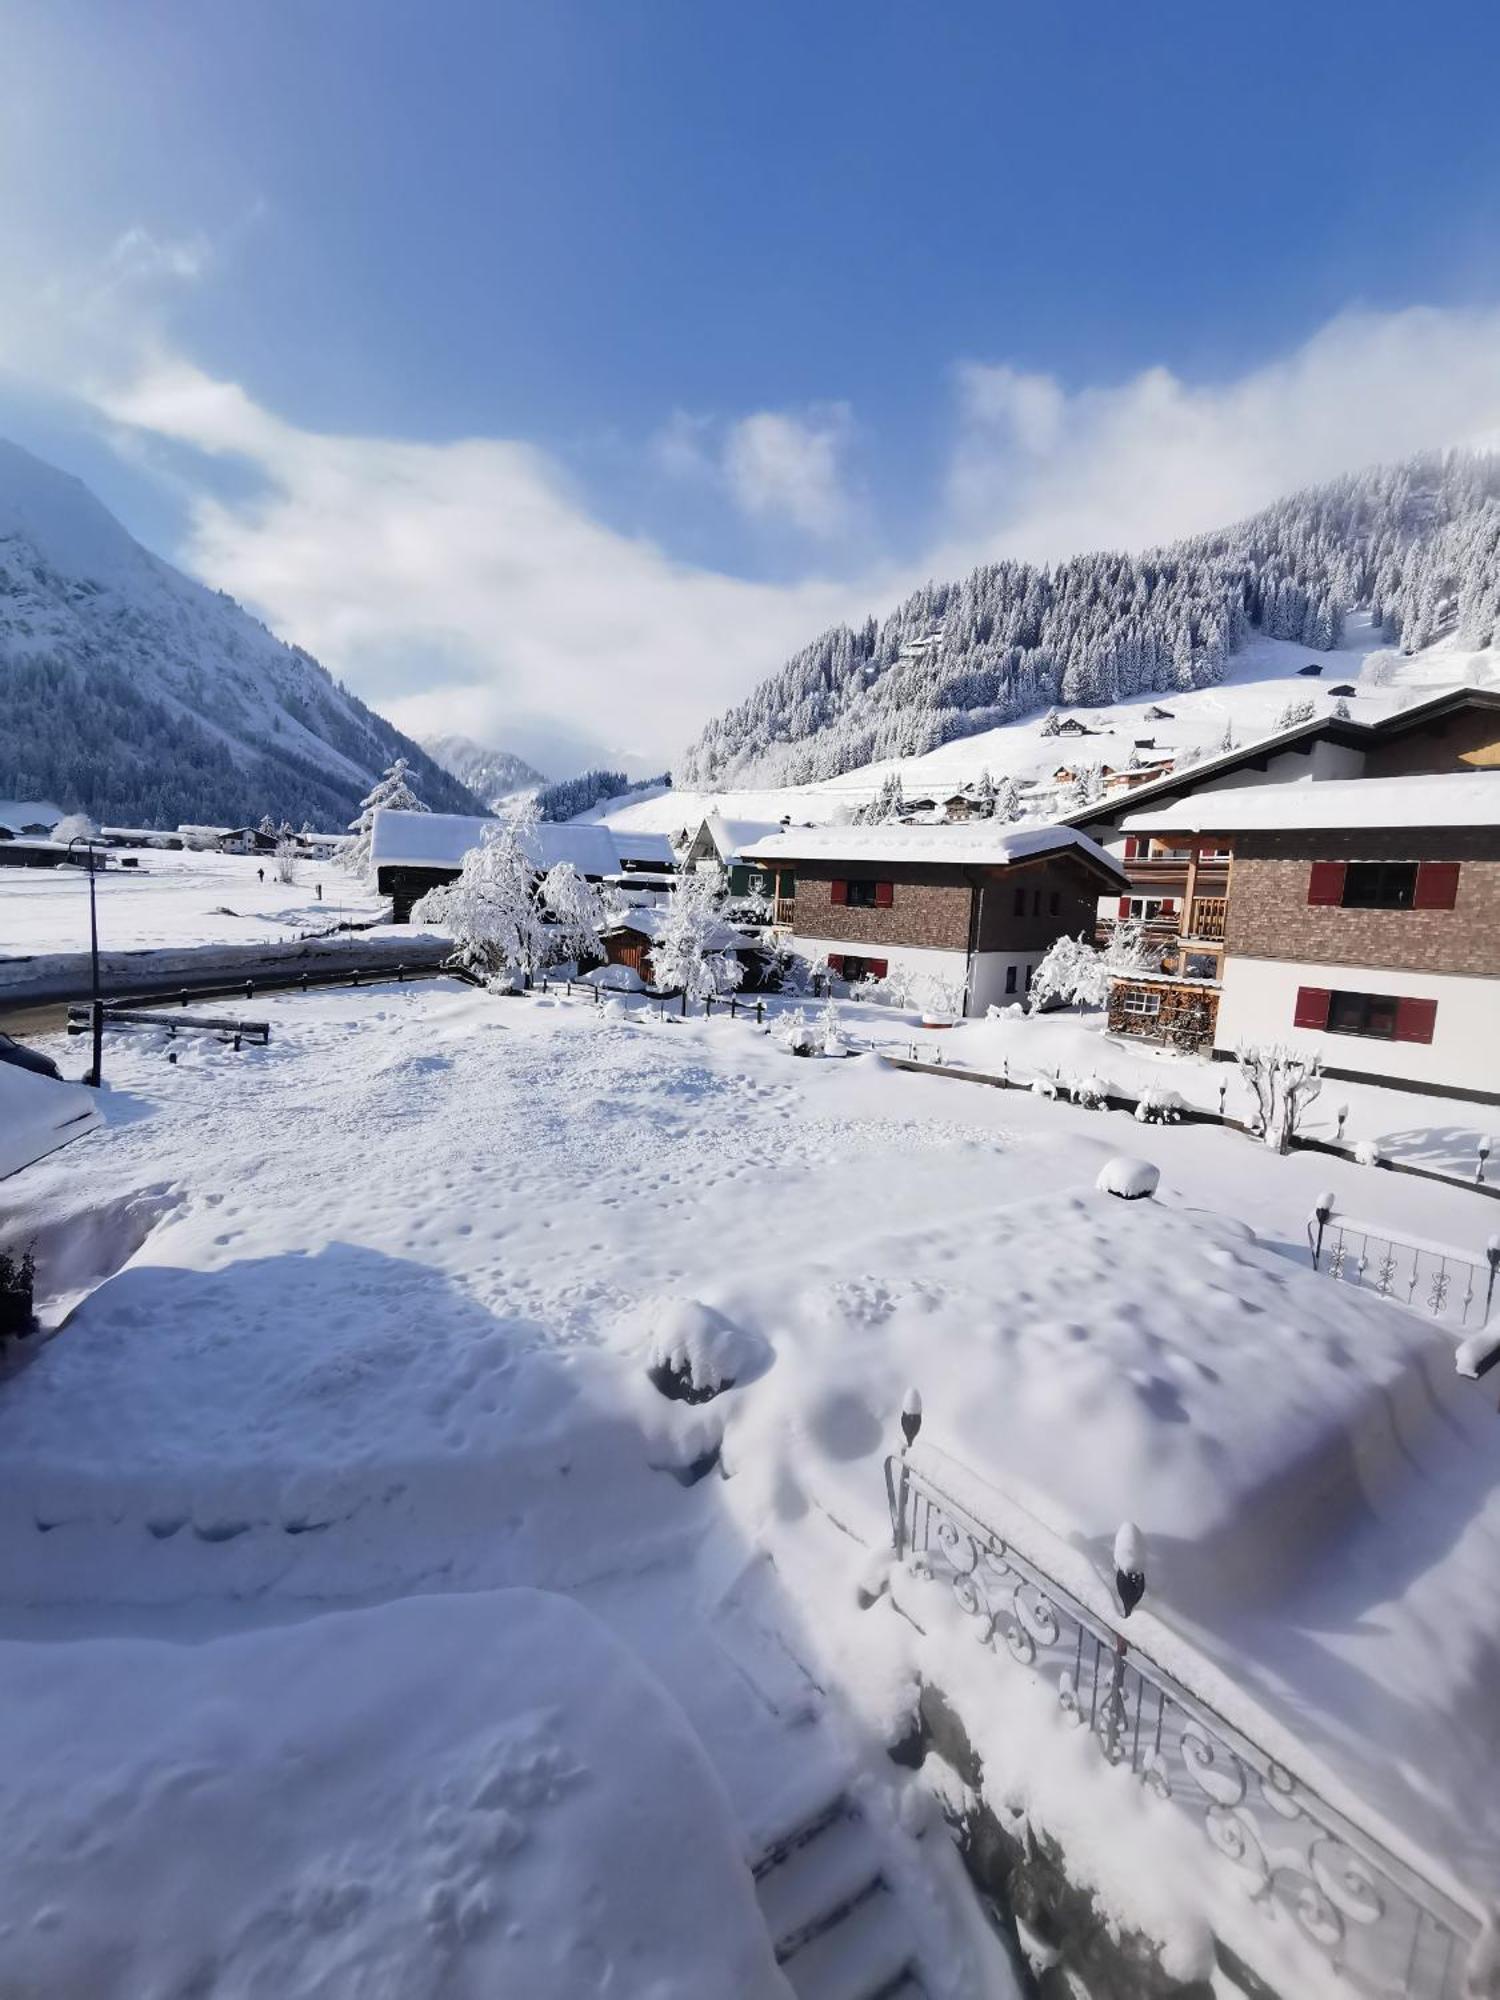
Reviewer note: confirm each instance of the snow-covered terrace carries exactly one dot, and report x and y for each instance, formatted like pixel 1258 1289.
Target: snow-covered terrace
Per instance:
pixel 1453 799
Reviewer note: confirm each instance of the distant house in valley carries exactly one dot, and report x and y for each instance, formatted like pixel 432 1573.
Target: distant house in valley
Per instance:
pixel 412 852
pixel 1357 919
pixel 246 840
pixel 971 908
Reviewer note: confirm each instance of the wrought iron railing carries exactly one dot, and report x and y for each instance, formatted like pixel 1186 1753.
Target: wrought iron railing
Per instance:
pixel 1445 1284
pixel 1380 1924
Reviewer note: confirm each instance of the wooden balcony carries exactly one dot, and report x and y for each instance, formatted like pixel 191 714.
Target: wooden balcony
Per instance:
pixel 1208 917
pixel 786 910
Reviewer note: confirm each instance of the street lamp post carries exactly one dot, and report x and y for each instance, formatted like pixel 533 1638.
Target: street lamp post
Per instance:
pixel 96 1006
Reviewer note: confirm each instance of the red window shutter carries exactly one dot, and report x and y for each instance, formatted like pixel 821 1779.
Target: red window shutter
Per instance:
pixel 836 963
pixel 1124 906
pixel 879 967
pixel 885 895
pixel 1312 1007
pixel 1437 889
pixel 841 892
pixel 1325 883
pixel 1132 847
pixel 1415 1019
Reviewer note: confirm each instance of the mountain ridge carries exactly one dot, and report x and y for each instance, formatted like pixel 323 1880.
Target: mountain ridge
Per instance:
pixel 491 775
pixel 133 692
pixel 1417 542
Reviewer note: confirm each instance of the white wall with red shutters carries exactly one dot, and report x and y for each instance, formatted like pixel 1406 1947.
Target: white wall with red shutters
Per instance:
pixel 1260 1003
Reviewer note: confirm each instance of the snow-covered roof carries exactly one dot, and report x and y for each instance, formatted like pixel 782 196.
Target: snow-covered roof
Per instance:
pixel 1461 798
pixel 652 848
pixel 983 843
pixel 650 921
pixel 732 836
pixel 18 814
pixel 441 840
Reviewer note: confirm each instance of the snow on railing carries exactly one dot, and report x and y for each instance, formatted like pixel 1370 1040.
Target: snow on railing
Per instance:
pixel 1381 1925
pixel 1446 1284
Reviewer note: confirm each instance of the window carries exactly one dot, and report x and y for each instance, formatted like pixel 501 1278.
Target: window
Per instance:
pixel 1010 979
pixel 1036 902
pixel 1054 903
pixel 1200 965
pixel 1384 885
pixel 865 895
pixel 757 884
pixel 1141 1000
pixel 854 969
pixel 1029 971
pixel 1385 1017
pixel 1020 902
pixel 1148 908
pixel 1379 885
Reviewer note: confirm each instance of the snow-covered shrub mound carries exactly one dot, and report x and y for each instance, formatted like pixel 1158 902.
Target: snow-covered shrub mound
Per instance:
pixel 1369 1154
pixel 1129 1178
pixel 1043 1086
pixel 694 1352
pixel 616 978
pixel 1158 1106
pixel 1092 1092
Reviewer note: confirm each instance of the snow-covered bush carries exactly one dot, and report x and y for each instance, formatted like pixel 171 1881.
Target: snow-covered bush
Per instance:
pixel 1092 1092
pixel 693 1353
pixel 689 956
pixel 286 858
pixel 1043 1086
pixel 1299 710
pixel 616 978
pixel 830 1029
pixel 796 1034
pixel 1369 1153
pixel 1282 1085
pixel 1129 1178
pixel 1158 1106
pixel 1072 972
pixel 392 792
pixel 1381 668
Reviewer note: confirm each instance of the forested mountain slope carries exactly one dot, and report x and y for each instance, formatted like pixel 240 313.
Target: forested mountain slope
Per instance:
pixel 1417 543
pixel 137 695
pixel 490 775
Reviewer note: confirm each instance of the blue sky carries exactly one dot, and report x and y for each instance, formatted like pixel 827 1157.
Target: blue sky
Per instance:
pixel 652 336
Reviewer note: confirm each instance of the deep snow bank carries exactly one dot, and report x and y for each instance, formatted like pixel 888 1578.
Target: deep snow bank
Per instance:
pixel 461 1796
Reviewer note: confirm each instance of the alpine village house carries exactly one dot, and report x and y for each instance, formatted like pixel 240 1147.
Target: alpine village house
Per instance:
pixel 1335 887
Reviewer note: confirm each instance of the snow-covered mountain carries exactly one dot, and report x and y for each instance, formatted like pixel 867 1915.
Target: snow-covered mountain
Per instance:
pixel 131 692
pixel 491 775
pixel 1416 545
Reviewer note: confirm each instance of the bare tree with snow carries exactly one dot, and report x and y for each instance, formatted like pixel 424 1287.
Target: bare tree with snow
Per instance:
pixel 1283 1085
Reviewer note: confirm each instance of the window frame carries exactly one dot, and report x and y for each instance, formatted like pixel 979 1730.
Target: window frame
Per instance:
pixel 1387 885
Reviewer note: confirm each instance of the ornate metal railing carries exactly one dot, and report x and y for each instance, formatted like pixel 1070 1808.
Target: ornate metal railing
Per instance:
pixel 1380 1925
pixel 1445 1284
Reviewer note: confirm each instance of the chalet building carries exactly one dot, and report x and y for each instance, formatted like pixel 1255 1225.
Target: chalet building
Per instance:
pixel 1456 731
pixel 413 852
pixel 28 819
pixel 1360 922
pixel 721 843
pixel 974 908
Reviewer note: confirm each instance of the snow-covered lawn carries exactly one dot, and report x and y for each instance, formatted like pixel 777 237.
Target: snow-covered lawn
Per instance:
pixel 175 899
pixel 377 1308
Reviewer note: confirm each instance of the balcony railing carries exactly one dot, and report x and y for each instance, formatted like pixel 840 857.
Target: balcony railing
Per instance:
pixel 1382 1926
pixel 1208 917
pixel 786 910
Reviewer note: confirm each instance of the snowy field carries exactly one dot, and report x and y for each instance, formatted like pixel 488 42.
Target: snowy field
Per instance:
pixel 359 1338
pixel 175 900
pixel 1263 678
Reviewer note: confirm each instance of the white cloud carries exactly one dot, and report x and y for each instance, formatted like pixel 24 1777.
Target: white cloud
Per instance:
pixel 464 586
pixel 1041 472
pixel 778 464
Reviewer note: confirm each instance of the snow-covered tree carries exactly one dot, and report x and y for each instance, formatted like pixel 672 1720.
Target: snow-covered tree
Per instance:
pixel 888 803
pixel 1068 964
pixel 392 792
pixel 76 826
pixel 577 912
pixel 286 857
pixel 267 826
pixel 1294 712
pixel 689 955
pixel 1341 711
pixel 1282 1085
pixel 491 911
pixel 1073 973
pixel 1007 799
pixel 985 795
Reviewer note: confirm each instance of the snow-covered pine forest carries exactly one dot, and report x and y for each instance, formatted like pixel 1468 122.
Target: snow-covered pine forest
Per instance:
pixel 1418 543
